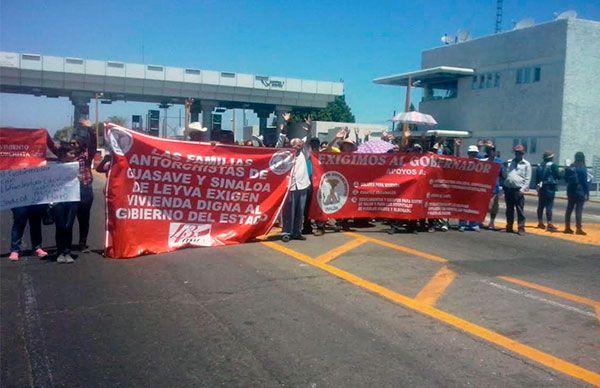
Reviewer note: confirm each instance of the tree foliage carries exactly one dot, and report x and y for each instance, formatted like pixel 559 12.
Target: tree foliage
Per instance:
pixel 64 134
pixel 122 121
pixel 337 110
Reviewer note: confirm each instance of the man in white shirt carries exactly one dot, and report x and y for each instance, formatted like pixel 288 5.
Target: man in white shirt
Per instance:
pixel 293 209
pixel 517 177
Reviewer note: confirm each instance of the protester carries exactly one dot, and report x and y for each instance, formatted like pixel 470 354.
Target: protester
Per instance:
pixel 491 156
pixel 578 192
pixel 313 147
pixel 472 153
pixel 104 166
pixel 293 208
pixel 64 213
pixel 546 179
pixel 87 137
pixel 517 177
pixel 21 216
pixel 83 156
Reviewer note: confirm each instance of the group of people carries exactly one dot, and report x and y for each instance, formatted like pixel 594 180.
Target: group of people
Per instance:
pixel 81 149
pixel 514 181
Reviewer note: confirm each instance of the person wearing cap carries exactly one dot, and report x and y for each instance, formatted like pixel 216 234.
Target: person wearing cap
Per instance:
pixel 86 135
pixel 578 191
pixel 472 153
pixel 546 179
pixel 491 156
pixel 517 178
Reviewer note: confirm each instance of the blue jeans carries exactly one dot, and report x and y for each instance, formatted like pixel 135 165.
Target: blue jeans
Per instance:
pixel 545 201
pixel 64 218
pixel 21 215
pixel 577 204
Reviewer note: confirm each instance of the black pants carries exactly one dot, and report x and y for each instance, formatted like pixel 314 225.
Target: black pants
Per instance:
pixel 307 226
pixel 514 200
pixel 545 201
pixel 64 217
pixel 293 212
pixel 21 215
pixel 577 204
pixel 83 211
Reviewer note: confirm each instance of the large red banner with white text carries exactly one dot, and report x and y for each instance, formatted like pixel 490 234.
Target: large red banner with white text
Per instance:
pixel 22 148
pixel 400 186
pixel 164 195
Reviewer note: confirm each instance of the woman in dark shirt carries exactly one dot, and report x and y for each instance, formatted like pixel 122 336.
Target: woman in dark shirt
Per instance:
pixel 578 192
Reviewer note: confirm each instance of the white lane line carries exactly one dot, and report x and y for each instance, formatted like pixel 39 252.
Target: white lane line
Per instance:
pixel 530 295
pixel 35 339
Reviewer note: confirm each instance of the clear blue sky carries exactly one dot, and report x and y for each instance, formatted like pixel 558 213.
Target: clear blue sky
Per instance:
pixel 354 40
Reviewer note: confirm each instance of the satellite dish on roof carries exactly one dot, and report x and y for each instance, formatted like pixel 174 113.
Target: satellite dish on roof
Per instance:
pixel 463 35
pixel 524 23
pixel 446 39
pixel 570 14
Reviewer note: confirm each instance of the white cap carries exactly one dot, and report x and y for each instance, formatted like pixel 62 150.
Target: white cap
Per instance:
pixel 473 148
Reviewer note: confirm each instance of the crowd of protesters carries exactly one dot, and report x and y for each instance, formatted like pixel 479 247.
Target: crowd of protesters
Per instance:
pixel 513 181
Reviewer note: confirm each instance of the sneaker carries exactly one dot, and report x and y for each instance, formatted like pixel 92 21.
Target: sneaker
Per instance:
pixel 568 231
pixel 444 228
pixel 41 253
pixel 431 230
pixel 299 237
pixel 541 225
pixel 552 228
pixel 319 232
pixel 286 238
pixel 581 232
pixel 69 259
pixel 14 256
pixel 509 230
pixel 83 248
pixel 61 259
pixel 476 229
pixel 521 232
pixel 461 228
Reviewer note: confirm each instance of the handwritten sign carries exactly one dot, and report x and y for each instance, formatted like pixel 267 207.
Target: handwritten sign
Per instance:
pixel 49 184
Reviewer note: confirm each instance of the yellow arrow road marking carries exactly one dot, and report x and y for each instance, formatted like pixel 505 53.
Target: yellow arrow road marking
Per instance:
pixel 436 287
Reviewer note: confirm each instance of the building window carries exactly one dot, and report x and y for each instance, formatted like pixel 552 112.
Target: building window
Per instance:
pixel 488 82
pixel 474 83
pixel 497 80
pixel 537 74
pixel 519 76
pixel 481 81
pixel 533 145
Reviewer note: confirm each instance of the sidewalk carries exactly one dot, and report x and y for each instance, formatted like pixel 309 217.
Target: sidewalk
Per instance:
pixel 563 195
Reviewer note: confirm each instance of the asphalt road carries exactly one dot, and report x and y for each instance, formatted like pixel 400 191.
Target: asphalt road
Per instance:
pixel 358 309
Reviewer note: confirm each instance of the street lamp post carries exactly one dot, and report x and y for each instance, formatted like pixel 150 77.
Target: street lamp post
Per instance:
pixel 97 95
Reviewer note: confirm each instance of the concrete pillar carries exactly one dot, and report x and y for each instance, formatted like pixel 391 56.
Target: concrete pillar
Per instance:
pixel 195 110
pixel 81 109
pixel 263 116
pixel 207 107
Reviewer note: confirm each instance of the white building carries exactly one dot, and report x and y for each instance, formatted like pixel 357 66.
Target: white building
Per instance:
pixel 537 86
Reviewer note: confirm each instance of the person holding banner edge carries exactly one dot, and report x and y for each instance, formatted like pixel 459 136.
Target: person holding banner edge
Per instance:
pixel 292 216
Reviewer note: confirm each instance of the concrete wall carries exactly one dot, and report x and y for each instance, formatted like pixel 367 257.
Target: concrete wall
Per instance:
pixel 512 110
pixel 581 111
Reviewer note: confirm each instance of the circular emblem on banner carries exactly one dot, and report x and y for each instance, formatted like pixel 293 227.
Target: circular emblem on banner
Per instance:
pixel 281 162
pixel 120 141
pixel 333 192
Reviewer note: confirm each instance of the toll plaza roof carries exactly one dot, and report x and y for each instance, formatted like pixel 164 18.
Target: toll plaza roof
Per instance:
pixel 426 76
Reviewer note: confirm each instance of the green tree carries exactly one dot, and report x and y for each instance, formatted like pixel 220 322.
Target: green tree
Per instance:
pixel 337 110
pixel 64 134
pixel 122 121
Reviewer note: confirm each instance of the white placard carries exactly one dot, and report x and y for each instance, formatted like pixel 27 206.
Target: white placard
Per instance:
pixel 50 184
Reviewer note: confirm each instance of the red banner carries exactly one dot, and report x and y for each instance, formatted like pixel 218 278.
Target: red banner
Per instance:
pixel 22 148
pixel 163 195
pixel 400 186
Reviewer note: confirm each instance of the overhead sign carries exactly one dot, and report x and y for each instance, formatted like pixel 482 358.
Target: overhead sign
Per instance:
pixel 49 184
